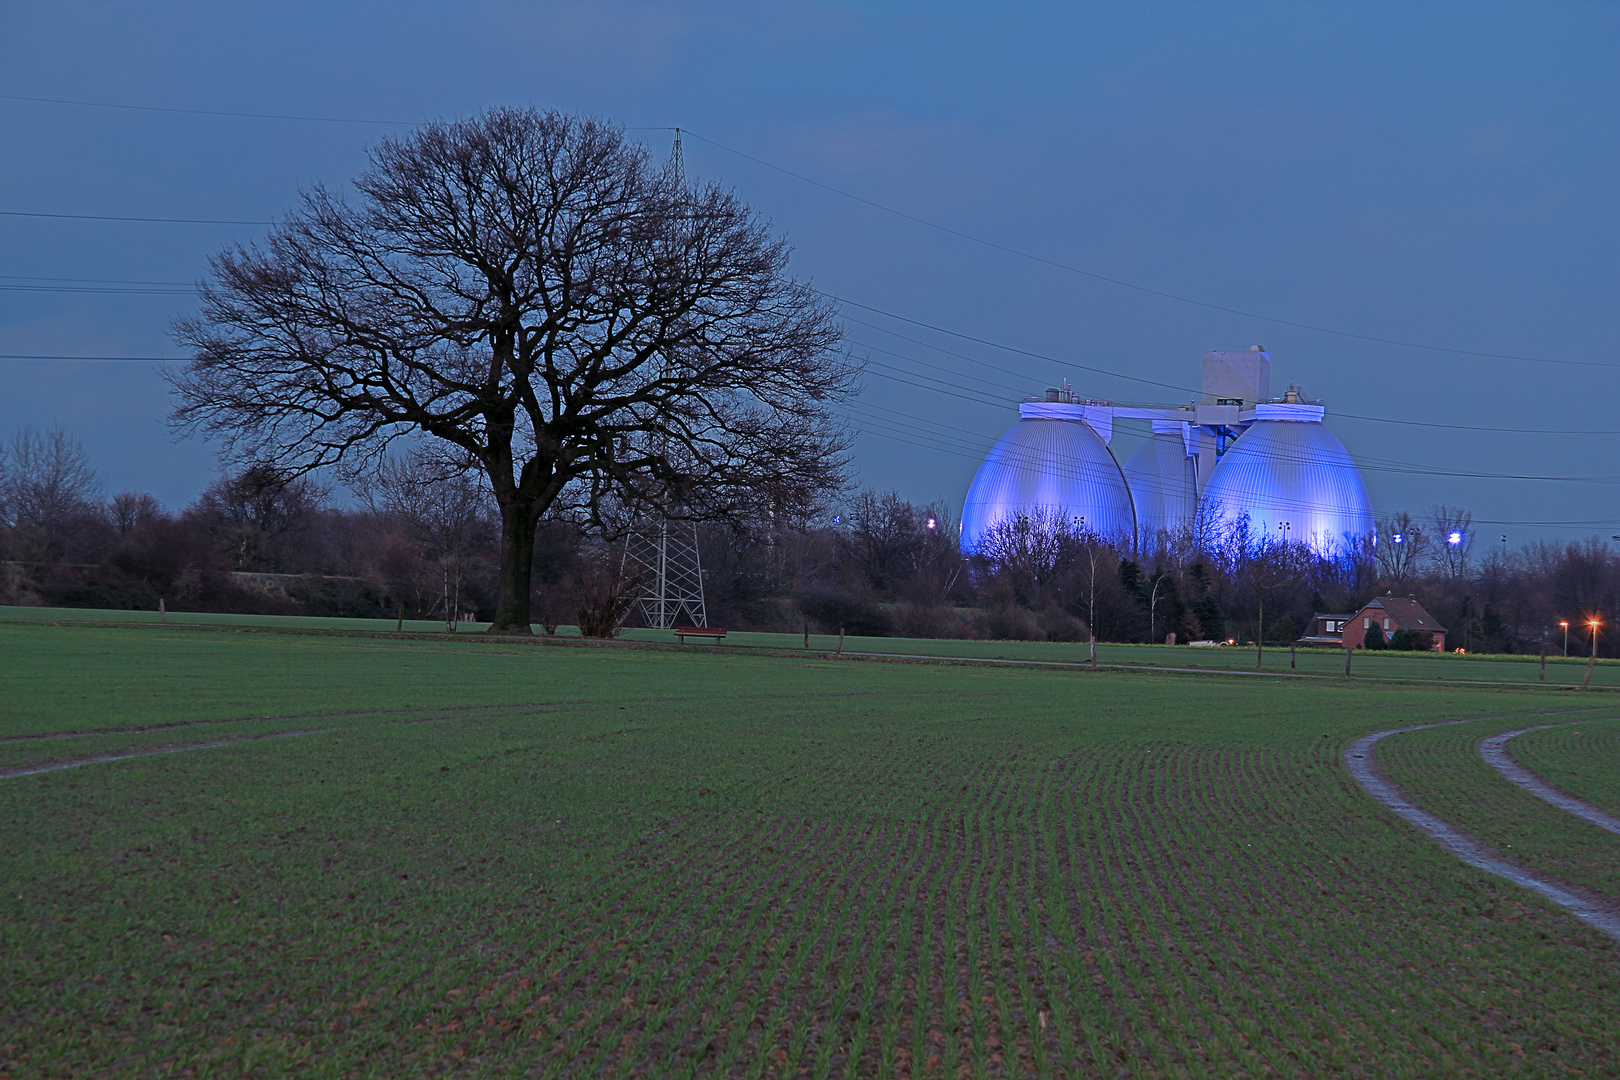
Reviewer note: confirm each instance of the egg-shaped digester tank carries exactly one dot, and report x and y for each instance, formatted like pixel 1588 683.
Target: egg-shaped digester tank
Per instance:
pixel 1163 483
pixel 1056 468
pixel 1296 482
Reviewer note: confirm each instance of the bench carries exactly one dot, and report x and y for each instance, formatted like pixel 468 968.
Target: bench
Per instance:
pixel 713 632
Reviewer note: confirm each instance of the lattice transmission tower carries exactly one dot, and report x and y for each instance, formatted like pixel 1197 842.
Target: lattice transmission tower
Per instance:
pixel 666 553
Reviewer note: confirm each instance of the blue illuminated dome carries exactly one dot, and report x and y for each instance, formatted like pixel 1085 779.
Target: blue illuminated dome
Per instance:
pixel 1164 484
pixel 1058 468
pixel 1296 482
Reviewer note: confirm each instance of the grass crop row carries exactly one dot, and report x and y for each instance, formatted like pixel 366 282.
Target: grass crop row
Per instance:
pixel 568 862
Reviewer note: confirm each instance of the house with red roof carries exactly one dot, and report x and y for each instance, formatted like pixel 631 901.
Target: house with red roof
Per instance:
pixel 1387 614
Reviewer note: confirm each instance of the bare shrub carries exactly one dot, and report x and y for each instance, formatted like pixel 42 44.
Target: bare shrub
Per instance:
pixel 930 621
pixel 1058 625
pixel 1006 621
pixel 604 588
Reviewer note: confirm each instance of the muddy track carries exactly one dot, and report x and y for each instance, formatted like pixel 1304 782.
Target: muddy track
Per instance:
pixel 1359 758
pixel 1494 751
pixel 12 772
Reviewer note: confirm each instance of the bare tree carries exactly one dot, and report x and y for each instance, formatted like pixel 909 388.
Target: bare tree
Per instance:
pixel 1403 546
pixel 1453 538
pixel 47 491
pixel 1264 564
pixel 1029 549
pixel 446 515
pixel 129 510
pixel 259 517
pixel 939 562
pixel 584 327
pixel 881 538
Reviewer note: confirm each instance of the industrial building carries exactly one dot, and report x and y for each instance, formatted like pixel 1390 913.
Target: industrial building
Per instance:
pixel 1234 464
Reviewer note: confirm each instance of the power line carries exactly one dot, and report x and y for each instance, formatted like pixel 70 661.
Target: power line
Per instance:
pixel 1007 249
pixel 1122 283
pixel 1368 464
pixel 130 359
pixel 115 217
pixel 998 345
pixel 93 281
pixel 185 288
pixel 203 112
pixel 1153 382
pixel 123 291
pixel 902 356
pixel 159 289
pixel 246 115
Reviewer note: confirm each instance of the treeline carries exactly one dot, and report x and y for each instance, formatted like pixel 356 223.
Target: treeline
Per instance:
pixel 420 541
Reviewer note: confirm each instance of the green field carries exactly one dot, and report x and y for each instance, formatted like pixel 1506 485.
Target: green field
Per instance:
pixel 1580 759
pixel 1417 667
pixel 469 857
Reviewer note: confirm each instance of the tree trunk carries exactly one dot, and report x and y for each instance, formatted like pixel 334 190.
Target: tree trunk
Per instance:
pixel 517 568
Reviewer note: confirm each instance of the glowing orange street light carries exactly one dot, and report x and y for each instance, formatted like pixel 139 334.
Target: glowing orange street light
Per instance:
pixel 1565 624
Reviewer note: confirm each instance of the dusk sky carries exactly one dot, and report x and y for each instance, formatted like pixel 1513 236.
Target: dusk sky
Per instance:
pixel 1440 177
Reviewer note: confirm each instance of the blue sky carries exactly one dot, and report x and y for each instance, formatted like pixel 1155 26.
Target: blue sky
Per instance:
pixel 1433 174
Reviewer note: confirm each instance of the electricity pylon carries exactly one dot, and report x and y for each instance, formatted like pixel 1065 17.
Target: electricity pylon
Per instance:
pixel 672 582
pixel 667 554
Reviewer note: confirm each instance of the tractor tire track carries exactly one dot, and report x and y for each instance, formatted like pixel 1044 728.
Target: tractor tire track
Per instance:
pixel 1494 751
pixel 1359 760
pixel 13 772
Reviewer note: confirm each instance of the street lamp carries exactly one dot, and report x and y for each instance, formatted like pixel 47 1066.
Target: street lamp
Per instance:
pixel 1590 664
pixel 1565 624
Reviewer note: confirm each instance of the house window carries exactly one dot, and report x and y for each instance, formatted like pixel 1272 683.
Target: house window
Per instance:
pixel 1386 624
pixel 1366 624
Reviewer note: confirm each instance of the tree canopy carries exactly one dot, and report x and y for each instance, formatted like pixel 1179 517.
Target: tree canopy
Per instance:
pixel 531 296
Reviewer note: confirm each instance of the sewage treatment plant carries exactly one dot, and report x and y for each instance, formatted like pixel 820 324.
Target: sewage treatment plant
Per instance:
pixel 1234 461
